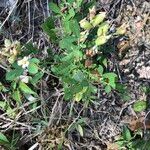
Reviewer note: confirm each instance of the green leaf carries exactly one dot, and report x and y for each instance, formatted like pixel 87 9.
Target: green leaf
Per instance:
pixel 48 27
pixel 30 49
pixel 35 60
pixel 78 76
pixel 111 77
pixel 67 43
pixel 25 89
pixel 126 134
pixel 139 106
pixel 101 40
pixel 13 74
pixel 100 69
pixel 71 13
pixel 3 104
pixel 13 85
pixel 54 8
pixel 79 2
pixel 80 129
pixel 107 89
pixel 3 139
pixel 75 28
pixel 103 29
pixel 10 112
pixel 37 77
pixel 32 68
pixel 98 19
pixel 66 25
pixel 16 96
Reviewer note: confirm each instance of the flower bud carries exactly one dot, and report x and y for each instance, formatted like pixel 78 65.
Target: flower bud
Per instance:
pixel 85 24
pixel 98 19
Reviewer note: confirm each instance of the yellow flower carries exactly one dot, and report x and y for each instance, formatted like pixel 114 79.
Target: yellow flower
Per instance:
pixel 24 63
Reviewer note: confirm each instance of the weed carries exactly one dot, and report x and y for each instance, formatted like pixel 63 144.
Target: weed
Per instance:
pixel 81 64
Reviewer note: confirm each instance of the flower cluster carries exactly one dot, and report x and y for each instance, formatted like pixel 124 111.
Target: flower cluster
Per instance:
pixel 10 50
pixel 24 63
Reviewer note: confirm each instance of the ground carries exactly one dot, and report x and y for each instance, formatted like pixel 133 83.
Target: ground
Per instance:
pixel 106 116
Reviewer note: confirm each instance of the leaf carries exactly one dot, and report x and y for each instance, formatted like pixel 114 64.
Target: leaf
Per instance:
pixel 16 96
pixel 80 129
pixel 84 24
pixel 126 134
pixel 79 2
pixel 48 27
pixel 111 79
pixel 100 69
pixel 103 29
pixel 139 106
pixel 3 139
pixel 32 68
pixel 10 112
pixel 107 89
pixel 30 49
pixel 122 29
pixel 102 40
pixel 7 43
pixel 98 19
pixel 3 105
pixel 67 43
pixel 37 77
pixel 79 96
pixel 71 14
pixel 78 76
pixel 29 97
pixel 35 60
pixel 54 8
pixel 13 74
pixel 25 89
pixel 75 28
pixel 66 25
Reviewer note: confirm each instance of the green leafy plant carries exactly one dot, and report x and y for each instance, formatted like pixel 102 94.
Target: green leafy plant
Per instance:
pixel 9 144
pixel 81 63
pixel 132 141
pixel 139 106
pixel 23 73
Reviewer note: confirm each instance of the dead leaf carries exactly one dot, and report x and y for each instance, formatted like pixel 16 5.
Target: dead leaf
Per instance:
pixel 112 146
pixel 144 72
pixel 139 123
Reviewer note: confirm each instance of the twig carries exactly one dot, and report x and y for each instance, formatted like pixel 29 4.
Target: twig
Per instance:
pixel 10 12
